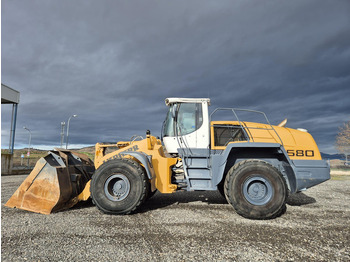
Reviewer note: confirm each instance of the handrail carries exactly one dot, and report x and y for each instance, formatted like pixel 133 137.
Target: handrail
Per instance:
pixel 134 137
pixel 240 122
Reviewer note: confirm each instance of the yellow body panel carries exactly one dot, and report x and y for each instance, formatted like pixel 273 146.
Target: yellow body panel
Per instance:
pixel 83 196
pixel 150 146
pixel 298 144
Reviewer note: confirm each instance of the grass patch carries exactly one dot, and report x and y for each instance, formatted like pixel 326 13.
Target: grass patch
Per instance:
pixel 340 177
pixel 345 169
pixel 88 154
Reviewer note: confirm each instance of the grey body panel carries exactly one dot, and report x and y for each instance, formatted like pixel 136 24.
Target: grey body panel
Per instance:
pixel 219 161
pixel 197 170
pixel 205 169
pixel 144 160
pixel 310 173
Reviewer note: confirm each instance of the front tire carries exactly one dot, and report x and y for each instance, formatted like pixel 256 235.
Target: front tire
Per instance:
pixel 119 186
pixel 256 189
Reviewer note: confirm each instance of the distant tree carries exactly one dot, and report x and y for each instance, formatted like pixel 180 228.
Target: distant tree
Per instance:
pixel 342 142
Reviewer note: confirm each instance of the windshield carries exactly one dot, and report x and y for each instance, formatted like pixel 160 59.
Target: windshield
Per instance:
pixel 189 119
pixel 169 123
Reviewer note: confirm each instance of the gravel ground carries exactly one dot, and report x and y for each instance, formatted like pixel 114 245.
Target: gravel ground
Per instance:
pixel 185 226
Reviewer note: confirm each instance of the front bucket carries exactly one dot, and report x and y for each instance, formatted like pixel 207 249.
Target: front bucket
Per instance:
pixel 54 184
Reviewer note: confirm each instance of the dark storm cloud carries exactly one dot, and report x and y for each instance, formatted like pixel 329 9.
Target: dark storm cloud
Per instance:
pixel 114 62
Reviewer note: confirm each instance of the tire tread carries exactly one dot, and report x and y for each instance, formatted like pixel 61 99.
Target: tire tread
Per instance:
pixel 232 172
pixel 142 198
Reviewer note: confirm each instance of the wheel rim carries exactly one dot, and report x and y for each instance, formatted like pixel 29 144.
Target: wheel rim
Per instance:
pixel 117 187
pixel 257 190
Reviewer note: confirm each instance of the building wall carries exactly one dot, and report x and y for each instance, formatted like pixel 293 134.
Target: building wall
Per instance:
pixel 6 164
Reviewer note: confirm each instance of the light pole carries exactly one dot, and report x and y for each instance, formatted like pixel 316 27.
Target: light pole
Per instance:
pixel 62 133
pixel 68 129
pixel 30 139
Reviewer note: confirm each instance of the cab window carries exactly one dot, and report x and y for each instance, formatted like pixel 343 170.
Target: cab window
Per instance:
pixel 224 134
pixel 189 118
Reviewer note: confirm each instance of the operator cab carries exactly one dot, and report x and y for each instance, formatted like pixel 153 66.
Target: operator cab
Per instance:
pixel 186 124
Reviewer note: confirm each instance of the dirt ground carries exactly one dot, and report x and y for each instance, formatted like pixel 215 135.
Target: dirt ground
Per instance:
pixel 185 226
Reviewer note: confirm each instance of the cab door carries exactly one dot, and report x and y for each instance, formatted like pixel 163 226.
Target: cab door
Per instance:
pixel 186 129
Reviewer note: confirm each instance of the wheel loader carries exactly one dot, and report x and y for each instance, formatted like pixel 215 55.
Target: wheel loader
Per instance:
pixel 254 165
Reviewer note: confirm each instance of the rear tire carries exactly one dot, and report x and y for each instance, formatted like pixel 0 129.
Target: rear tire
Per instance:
pixel 256 189
pixel 119 186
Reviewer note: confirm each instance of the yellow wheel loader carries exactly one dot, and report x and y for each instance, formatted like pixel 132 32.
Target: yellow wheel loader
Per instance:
pixel 253 165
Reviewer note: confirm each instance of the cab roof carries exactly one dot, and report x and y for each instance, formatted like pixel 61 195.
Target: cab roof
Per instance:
pixel 173 100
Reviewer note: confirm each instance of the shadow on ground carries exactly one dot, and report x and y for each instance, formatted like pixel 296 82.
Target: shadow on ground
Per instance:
pixel 159 200
pixel 300 199
pixel 163 200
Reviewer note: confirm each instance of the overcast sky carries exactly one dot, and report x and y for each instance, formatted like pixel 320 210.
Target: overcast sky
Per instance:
pixel 114 62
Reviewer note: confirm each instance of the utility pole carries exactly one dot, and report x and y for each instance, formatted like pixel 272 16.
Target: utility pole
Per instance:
pixel 62 133
pixel 30 139
pixel 68 129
